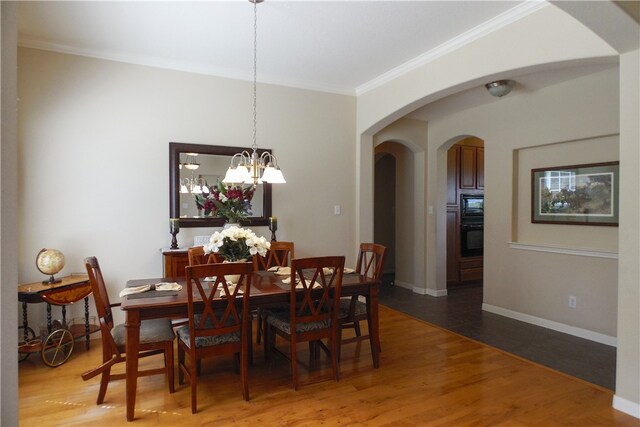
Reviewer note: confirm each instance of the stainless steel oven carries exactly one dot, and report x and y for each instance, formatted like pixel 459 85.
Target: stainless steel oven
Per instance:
pixel 471 239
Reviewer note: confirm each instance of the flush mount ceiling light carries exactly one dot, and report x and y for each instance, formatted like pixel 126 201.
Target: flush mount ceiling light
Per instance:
pixel 500 88
pixel 253 168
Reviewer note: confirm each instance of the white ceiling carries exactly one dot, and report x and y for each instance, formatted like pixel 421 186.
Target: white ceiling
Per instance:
pixel 337 46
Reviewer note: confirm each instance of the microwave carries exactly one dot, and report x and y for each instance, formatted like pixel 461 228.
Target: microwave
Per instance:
pixel 471 206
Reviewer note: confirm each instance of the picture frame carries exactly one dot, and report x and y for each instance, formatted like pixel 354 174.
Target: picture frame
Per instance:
pixel 576 195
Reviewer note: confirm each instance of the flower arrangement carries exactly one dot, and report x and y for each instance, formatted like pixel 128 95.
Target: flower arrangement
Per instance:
pixel 232 202
pixel 235 243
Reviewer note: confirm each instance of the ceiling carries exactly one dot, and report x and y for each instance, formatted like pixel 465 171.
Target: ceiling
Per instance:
pixel 336 46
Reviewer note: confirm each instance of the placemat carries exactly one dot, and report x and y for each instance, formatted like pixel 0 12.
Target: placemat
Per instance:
pixel 151 294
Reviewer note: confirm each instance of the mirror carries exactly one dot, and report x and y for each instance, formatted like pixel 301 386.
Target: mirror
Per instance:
pixel 212 163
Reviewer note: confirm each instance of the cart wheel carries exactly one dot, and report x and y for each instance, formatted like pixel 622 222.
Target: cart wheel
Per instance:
pixel 57 348
pixel 28 336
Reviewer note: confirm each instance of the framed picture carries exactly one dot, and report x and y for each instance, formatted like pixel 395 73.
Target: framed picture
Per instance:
pixel 579 194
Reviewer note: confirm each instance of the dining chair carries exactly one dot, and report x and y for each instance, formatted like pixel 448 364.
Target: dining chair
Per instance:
pixel 314 306
pixel 156 337
pixel 197 256
pixel 218 320
pixel 280 254
pixel 352 311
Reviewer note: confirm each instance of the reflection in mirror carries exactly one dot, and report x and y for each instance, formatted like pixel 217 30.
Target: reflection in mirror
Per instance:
pixel 194 172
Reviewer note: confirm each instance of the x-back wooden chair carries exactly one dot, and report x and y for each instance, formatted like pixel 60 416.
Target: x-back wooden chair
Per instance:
pixel 280 254
pixel 314 307
pixel 156 337
pixel 352 311
pixel 218 320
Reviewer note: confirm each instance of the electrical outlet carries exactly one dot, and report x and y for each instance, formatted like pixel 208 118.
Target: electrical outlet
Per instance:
pixel 572 301
pixel 337 210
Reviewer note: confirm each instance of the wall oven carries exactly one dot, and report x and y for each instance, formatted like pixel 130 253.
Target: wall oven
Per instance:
pixel 471 225
pixel 471 239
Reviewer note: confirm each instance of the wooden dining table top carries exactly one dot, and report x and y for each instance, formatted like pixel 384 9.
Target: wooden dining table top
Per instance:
pixel 266 288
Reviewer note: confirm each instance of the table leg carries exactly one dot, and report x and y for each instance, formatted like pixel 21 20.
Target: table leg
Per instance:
pixel 48 319
pixel 374 327
pixel 132 324
pixel 86 322
pixel 25 321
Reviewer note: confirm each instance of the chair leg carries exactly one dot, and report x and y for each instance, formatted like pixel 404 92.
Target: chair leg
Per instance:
pixel 243 372
pixel 267 341
pixel 334 354
pixel 356 327
pixel 193 379
pixel 168 364
pixel 259 328
pixel 104 382
pixel 181 365
pixel 294 364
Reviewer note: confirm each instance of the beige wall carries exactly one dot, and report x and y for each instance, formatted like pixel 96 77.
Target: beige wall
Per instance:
pixel 8 218
pixel 406 140
pixel 93 157
pixel 538 124
pixel 593 150
pixel 544 40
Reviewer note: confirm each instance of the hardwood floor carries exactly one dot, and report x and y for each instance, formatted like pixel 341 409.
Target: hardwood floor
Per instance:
pixel 461 312
pixel 428 377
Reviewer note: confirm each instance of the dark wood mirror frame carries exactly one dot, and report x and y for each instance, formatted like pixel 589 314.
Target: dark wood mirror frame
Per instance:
pixel 177 148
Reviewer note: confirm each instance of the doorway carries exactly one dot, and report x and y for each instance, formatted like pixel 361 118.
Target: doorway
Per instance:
pixel 384 219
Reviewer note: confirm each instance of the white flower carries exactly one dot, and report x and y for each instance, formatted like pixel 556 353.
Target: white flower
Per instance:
pixel 215 242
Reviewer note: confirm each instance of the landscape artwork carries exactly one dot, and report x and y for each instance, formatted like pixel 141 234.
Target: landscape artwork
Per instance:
pixel 579 194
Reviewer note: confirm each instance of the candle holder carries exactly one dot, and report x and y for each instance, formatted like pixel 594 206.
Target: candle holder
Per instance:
pixel 273 226
pixel 174 228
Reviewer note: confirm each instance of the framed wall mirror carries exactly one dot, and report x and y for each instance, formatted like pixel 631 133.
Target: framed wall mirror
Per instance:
pixel 203 165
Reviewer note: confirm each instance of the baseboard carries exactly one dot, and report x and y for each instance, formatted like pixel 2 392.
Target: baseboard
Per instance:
pixel 626 406
pixel 549 324
pixel 436 293
pixel 421 291
pixel 402 284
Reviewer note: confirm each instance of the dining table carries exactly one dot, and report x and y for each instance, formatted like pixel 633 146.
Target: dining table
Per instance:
pixel 266 288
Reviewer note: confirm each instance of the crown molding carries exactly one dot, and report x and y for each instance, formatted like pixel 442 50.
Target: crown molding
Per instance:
pixel 488 27
pixel 178 66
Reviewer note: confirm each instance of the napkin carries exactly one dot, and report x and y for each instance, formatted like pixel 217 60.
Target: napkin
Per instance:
pixel 280 271
pixel 345 270
pixel 299 285
pixel 162 286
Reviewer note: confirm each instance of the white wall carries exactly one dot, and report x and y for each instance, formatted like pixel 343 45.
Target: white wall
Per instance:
pixel 93 160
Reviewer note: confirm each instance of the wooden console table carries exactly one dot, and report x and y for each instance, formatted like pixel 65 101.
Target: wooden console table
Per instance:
pixel 175 260
pixel 69 290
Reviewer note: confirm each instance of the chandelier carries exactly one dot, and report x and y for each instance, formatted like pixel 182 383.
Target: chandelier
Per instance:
pixel 192 185
pixel 251 168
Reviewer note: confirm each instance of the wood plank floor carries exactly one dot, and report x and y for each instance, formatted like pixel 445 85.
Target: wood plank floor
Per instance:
pixel 428 377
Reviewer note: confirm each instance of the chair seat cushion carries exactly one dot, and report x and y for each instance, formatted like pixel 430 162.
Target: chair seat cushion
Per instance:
pixel 282 321
pixel 184 335
pixel 154 330
pixel 360 308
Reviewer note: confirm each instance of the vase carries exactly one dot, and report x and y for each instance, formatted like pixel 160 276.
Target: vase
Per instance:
pixel 230 224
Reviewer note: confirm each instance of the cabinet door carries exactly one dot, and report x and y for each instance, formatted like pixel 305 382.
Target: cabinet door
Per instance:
pixel 480 169
pixel 468 167
pixel 453 247
pixel 452 175
pixel 175 263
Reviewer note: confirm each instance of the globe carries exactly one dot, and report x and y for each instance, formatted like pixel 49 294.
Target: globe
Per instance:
pixel 50 261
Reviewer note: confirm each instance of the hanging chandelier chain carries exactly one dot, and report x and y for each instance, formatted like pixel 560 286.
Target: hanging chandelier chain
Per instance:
pixel 255 69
